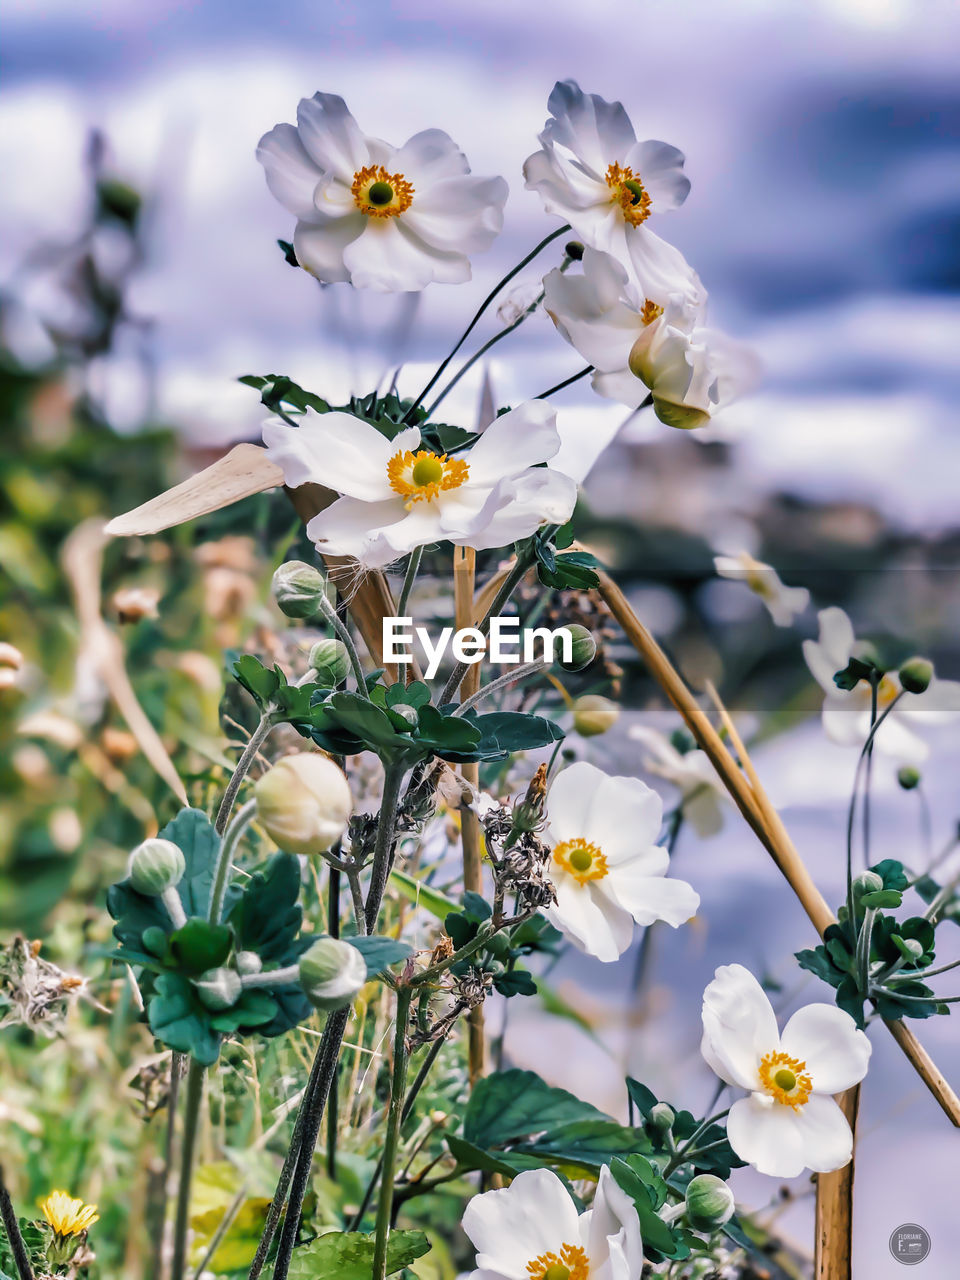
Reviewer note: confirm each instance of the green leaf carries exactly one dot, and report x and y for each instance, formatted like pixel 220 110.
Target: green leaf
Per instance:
pixel 199 945
pixel 193 831
pixel 348 1255
pixel 648 1191
pixel 475 905
pixel 268 916
pixel 260 683
pixel 882 899
pixel 514 1105
pixel 360 717
pixel 380 952
pixel 422 895
pixel 179 1021
pixel 892 874
pixel 254 1009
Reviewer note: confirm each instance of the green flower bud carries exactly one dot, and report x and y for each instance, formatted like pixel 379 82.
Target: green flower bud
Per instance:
pixel 218 989
pixel 709 1201
pixel 330 660
pixel 912 946
pixel 867 882
pixel 593 714
pixel 684 417
pixel 303 802
pixel 662 1116
pixel 915 675
pixel 583 648
pixel 331 973
pixel 298 589
pixel 154 866
pixel 248 962
pixel 574 250
pixel 909 777
pixel 406 714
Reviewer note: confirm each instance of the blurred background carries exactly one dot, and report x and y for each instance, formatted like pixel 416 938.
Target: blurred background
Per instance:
pixel 140 278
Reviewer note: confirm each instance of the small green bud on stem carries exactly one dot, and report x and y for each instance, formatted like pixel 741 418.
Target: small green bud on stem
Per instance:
pixel 709 1201
pixel 916 674
pixel 331 973
pixel 298 589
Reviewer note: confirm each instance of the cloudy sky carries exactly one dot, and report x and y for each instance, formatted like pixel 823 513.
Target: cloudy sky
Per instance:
pixel 821 137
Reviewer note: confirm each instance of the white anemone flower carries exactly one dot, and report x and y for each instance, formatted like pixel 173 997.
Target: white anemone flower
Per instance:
pixel 592 172
pixel 531 1231
pixel 382 217
pixel 783 603
pixel 790 1122
pixel 606 867
pixel 846 713
pixel 395 496
pixel 702 794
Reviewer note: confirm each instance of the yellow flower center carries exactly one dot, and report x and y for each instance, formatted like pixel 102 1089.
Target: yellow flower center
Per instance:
pixel 68 1217
pixel 581 859
pixel 629 193
pixel 650 312
pixel 570 1264
pixel 785 1079
pixel 420 476
pixel 379 194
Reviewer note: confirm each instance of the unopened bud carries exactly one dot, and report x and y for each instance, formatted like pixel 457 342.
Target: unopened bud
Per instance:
pixel 574 250
pixel 298 589
pixel 248 962
pixel 662 1116
pixel 593 714
pixel 915 675
pixel 406 714
pixel 331 973
pixel 710 1202
pixel 528 813
pixel 583 648
pixel 304 802
pixel 155 866
pixel 912 946
pixel 909 777
pixel 867 882
pixel 330 660
pixel 218 988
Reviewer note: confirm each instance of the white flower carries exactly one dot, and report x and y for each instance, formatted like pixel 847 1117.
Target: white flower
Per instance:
pixel 784 603
pixel 790 1122
pixel 396 496
pixel 701 791
pixel 606 867
pixel 531 1231
pixel 592 172
pixel 846 713
pixel 382 217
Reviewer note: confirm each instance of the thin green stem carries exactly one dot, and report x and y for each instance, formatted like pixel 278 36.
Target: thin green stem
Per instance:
pixel 333 1102
pixel 567 382
pixel 864 944
pixel 392 1137
pixel 900 995
pixel 240 772
pixel 223 1226
pixel 224 864
pixel 688 1149
pixel 409 578
pixel 501 682
pixel 344 636
pixel 918 975
pixel 383 845
pixel 193 1096
pixel 482 308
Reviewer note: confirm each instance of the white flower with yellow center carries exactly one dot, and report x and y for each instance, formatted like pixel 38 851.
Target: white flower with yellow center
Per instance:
pixel 382 217
pixel 790 1122
pixel 531 1231
pixel 606 867
pixel 846 713
pixel 592 172
pixel 702 794
pixel 396 495
pixel 782 602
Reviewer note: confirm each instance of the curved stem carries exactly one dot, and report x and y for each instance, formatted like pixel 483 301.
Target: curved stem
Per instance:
pixel 501 682
pixel 392 1137
pixel 689 1149
pixel 567 382
pixel 224 862
pixel 193 1096
pixel 240 772
pixel 344 636
pixel 383 846
pixel 413 566
pixel 482 308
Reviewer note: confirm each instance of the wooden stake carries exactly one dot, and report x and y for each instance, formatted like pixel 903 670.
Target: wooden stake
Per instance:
pixel 833 1256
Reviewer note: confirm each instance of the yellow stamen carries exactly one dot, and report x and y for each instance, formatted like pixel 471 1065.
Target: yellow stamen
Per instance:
pixel 67 1216
pixel 420 476
pixel 785 1079
pixel 581 859
pixel 570 1264
pixel 379 194
pixel 629 193
pixel 650 312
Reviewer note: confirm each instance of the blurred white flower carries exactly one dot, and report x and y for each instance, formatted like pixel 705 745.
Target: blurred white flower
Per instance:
pixel 532 1230
pixel 518 300
pixel 846 713
pixel 783 603
pixel 396 496
pixel 592 172
pixel 790 1122
pixel 606 867
pixel 701 792
pixel 382 217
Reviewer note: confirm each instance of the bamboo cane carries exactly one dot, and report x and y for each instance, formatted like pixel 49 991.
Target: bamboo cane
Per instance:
pixel 833 1255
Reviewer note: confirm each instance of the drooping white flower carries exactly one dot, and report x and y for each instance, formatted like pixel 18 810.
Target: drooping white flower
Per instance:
pixel 383 217
pixel 531 1231
pixel 592 172
pixel 606 867
pixel 783 602
pixel 846 713
pixel 396 496
pixel 701 792
pixel 790 1121
pixel 647 338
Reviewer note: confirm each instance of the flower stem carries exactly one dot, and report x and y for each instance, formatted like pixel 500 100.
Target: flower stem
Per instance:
pixel 344 636
pixel 392 1137
pixel 383 847
pixel 221 874
pixel 501 682
pixel 12 1227
pixel 567 382
pixel 240 772
pixel 689 1149
pixel 193 1096
pixel 483 306
pixel 409 578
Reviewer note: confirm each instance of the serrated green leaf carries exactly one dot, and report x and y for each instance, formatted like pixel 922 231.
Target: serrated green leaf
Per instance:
pixel 348 1255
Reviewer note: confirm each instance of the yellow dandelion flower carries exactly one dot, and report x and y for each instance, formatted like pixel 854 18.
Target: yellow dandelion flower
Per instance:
pixel 67 1216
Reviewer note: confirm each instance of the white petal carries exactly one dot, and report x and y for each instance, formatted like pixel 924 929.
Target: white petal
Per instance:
pixel 569 800
pixel 565 189
pixel 662 271
pixel 660 168
pixel 463 215
pixel 512 1227
pixel 601 328
pixel 349 527
pixel 894 738
pixel 337 450
pixel 766 1134
pixel 621 815
pixel 331 135
pixel 597 132
pixel 650 898
pixel 591 922
pixel 291 174
pixel 846 717
pixel 520 506
pixel 826 1038
pixel 703 810
pixel 610 1231
pixel 622 386
pixel 429 157
pixel 319 246
pixel 739 1026
pixel 836 639
pixel 827 1142
pixel 516 440
pixel 389 258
